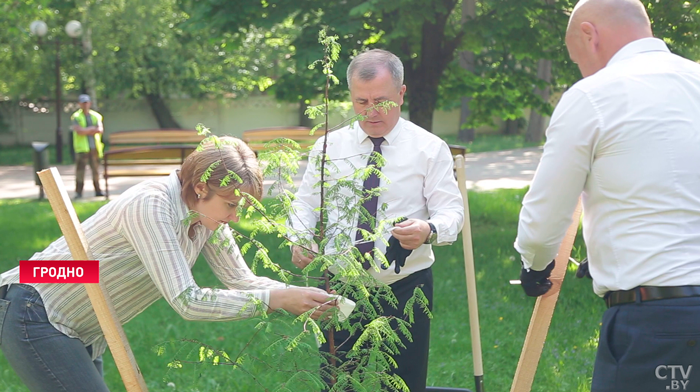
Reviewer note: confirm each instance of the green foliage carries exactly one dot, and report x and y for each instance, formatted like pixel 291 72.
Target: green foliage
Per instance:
pixel 217 49
pixel 140 47
pixel 25 61
pixel 509 37
pixel 207 173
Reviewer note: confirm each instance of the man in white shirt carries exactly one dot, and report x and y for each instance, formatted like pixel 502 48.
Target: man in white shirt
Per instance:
pixel 421 187
pixel 627 136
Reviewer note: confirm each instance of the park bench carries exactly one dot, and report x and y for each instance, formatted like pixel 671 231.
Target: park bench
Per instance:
pixel 257 138
pixel 139 153
pixel 456 149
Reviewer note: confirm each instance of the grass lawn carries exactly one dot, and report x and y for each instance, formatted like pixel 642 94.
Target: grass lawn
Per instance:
pixel 22 155
pixel 567 361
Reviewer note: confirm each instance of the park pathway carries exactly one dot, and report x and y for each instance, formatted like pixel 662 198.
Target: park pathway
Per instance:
pixel 485 171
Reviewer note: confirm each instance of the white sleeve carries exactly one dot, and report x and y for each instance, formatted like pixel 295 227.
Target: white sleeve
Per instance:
pixel 558 181
pixel 443 197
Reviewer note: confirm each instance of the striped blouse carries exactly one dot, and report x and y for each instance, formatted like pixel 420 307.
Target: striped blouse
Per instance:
pixel 141 240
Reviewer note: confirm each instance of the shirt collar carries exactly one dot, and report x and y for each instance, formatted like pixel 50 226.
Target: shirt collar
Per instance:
pixel 639 46
pixel 174 189
pixel 390 137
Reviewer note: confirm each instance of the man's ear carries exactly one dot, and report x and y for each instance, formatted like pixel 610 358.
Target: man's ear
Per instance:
pixel 589 35
pixel 402 91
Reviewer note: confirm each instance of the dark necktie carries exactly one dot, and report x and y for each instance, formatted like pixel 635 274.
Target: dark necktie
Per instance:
pixel 370 204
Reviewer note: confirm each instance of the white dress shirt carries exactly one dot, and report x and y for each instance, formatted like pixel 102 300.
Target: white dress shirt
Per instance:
pixel 141 240
pixel 628 137
pixel 421 185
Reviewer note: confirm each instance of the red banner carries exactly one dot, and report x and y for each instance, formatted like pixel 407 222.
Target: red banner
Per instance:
pixel 59 271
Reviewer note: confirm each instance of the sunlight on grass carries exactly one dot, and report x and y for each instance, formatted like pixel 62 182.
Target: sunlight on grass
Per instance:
pixel 491 142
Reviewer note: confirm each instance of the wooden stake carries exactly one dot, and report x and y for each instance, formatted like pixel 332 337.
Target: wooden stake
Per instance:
pixel 542 314
pixel 77 243
pixel 471 278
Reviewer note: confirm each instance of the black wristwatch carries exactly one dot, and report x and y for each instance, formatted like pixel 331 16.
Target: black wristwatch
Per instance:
pixel 432 237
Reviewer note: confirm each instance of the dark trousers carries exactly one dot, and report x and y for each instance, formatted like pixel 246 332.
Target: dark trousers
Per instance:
pixel 81 160
pixel 413 360
pixel 649 346
pixel 44 358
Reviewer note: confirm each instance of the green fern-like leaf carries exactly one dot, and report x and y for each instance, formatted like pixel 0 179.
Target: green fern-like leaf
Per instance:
pixel 422 301
pixel 202 130
pixel 175 364
pixel 159 350
pixel 210 170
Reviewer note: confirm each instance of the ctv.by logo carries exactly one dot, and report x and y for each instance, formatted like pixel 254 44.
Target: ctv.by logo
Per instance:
pixel 664 371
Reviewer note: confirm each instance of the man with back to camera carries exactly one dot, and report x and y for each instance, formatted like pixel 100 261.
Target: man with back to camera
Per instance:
pixel 421 187
pixel 627 136
pixel 87 142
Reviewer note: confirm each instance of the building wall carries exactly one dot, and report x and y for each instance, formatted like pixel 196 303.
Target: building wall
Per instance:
pixel 231 117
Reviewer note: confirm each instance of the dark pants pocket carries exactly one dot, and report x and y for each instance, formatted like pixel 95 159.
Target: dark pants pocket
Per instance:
pixel 4 305
pixel 605 368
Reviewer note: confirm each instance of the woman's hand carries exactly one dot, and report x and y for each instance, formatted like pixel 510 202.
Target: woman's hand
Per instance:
pixel 298 300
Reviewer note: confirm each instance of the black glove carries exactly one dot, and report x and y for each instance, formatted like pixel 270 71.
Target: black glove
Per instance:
pixel 582 271
pixel 397 254
pixel 536 283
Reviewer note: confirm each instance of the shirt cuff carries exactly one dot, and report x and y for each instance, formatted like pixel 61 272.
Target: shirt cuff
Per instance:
pixel 444 237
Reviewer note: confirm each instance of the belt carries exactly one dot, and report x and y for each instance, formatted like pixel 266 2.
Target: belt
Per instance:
pixel 650 293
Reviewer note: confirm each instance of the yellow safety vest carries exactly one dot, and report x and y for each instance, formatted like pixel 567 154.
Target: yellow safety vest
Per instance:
pixel 80 142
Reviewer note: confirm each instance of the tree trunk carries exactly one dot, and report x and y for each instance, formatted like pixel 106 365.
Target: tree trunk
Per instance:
pixel 466 61
pixel 162 112
pixel 421 107
pixel 421 91
pixel 423 74
pixel 535 127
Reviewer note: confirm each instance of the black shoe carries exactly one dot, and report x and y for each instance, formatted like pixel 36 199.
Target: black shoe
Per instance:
pixel 99 194
pixel 78 196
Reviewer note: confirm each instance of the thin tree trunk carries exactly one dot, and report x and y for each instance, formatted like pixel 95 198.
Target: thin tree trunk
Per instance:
pixel 535 127
pixel 161 111
pixel 466 61
pixel 89 72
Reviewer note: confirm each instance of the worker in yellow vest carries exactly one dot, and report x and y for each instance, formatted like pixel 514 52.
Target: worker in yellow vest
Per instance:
pixel 87 142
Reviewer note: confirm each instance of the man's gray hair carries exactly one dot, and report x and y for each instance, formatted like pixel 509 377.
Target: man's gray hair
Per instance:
pixel 366 64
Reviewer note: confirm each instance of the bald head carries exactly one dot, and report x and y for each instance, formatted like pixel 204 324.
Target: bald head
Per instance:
pixel 600 28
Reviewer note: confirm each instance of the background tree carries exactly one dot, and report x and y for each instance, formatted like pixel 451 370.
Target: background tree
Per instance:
pixel 424 34
pixel 209 49
pixel 139 50
pixel 520 57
